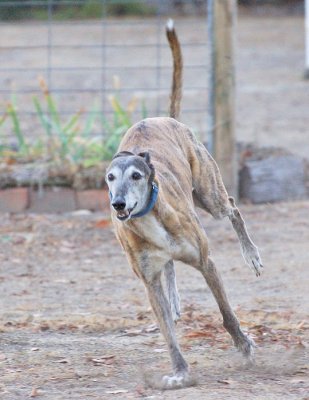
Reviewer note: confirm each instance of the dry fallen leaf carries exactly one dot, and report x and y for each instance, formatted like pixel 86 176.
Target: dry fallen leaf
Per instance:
pixel 34 392
pixel 117 391
pixel 106 360
pixel 297 380
pixel 152 328
pixel 140 391
pixel 62 361
pixel 107 357
pixel 160 350
pixel 199 334
pixel 226 381
pixel 300 343
pixel 224 346
pixel 103 223
pixel 135 332
pixel 301 324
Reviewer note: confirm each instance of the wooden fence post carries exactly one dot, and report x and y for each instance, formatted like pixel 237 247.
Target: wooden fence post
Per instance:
pixel 221 22
pixel 307 39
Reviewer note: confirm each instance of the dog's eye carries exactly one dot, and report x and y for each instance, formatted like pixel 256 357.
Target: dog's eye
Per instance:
pixel 110 177
pixel 136 176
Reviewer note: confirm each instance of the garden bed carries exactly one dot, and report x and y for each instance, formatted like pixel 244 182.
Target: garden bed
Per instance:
pixel 52 200
pixel 39 187
pixel 64 187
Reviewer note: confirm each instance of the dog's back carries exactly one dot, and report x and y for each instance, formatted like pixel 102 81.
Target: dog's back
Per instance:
pixel 167 141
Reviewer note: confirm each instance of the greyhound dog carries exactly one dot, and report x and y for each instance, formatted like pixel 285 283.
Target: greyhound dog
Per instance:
pixel 160 173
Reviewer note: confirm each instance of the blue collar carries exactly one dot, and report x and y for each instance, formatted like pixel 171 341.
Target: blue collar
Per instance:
pixel 151 203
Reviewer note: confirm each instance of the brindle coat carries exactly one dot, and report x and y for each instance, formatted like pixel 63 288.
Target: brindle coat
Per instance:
pixel 166 151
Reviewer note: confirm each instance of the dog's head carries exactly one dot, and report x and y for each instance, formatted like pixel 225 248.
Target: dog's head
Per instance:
pixel 129 178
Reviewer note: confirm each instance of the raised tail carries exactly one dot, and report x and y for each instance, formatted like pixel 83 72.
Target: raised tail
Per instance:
pixel 176 91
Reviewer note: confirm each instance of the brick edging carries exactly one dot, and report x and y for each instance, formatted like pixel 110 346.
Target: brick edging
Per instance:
pixel 52 200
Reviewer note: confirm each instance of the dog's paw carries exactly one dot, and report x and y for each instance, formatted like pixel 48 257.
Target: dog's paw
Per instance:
pixel 177 381
pixel 246 346
pixel 253 259
pixel 169 382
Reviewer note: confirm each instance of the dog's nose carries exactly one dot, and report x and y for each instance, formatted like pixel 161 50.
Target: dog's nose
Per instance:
pixel 119 204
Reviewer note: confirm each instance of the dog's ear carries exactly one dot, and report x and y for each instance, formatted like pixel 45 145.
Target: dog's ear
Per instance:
pixel 123 154
pixel 146 156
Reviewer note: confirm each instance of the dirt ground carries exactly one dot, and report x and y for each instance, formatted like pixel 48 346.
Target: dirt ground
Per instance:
pixel 76 323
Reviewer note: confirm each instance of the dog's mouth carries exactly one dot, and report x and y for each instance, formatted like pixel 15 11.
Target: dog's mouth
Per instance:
pixel 125 215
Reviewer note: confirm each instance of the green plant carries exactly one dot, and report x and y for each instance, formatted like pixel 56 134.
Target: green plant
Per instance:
pixel 60 135
pixel 68 140
pixel 71 140
pixel 68 10
pixel 115 129
pixel 125 7
pixel 3 146
pixel 11 111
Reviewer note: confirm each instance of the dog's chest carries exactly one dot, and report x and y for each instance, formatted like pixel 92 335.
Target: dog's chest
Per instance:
pixel 178 247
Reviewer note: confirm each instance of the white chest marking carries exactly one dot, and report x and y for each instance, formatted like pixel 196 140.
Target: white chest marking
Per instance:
pixel 155 233
pixel 152 231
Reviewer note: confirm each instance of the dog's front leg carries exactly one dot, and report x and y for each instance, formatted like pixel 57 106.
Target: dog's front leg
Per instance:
pixel 162 311
pixel 248 248
pixel 173 296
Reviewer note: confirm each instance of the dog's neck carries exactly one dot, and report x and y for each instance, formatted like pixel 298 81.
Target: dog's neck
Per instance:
pixel 151 201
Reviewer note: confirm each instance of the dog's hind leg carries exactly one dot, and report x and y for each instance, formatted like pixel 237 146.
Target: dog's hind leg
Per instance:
pixel 242 342
pixel 173 296
pixel 210 194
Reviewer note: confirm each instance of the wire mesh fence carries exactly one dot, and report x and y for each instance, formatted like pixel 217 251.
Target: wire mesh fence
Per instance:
pixel 83 60
pixel 84 52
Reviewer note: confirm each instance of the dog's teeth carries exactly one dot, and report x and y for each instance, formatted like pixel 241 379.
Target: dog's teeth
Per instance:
pixel 122 214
